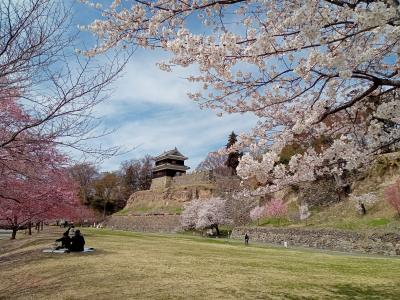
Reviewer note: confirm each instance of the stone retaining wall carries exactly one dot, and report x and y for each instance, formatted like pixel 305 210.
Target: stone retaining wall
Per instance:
pixel 160 183
pixel 202 177
pixel 375 243
pixel 146 223
pixel 197 178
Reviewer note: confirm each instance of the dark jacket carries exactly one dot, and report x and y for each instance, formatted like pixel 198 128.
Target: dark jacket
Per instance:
pixel 77 243
pixel 65 241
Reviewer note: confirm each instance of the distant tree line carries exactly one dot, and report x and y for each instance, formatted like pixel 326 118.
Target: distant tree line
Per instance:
pixel 108 192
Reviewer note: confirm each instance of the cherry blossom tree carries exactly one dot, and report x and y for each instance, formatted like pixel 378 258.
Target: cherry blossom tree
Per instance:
pixel 304 212
pixel 81 214
pixel 49 194
pixel 45 192
pixel 392 194
pixel 257 213
pixel 203 214
pixel 306 69
pixel 34 182
pixel 275 208
pixel 47 96
pixel 190 213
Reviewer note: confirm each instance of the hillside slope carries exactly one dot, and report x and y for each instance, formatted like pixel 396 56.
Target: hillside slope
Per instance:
pixel 345 214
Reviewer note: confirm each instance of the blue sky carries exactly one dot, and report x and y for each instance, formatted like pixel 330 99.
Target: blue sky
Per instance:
pixel 150 111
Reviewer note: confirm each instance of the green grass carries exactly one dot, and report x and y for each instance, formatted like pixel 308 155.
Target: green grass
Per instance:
pixel 379 222
pixel 131 265
pixel 274 222
pixel 344 215
pixel 123 212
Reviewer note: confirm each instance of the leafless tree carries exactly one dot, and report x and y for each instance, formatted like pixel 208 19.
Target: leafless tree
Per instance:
pixel 56 86
pixel 137 174
pixel 215 162
pixel 85 174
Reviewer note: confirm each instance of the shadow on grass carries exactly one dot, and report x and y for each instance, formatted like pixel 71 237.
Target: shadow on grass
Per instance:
pixel 346 292
pixel 25 286
pixel 14 260
pixel 360 292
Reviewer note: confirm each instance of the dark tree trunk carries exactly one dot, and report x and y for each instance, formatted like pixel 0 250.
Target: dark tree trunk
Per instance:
pixel 363 209
pixel 30 228
pixel 14 228
pixel 41 226
pixel 14 232
pixel 217 229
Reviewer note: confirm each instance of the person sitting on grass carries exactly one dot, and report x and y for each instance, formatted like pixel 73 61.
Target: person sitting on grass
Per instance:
pixel 71 230
pixel 77 242
pixel 65 241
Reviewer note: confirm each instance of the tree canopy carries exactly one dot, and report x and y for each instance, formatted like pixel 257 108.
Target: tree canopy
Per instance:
pixel 306 69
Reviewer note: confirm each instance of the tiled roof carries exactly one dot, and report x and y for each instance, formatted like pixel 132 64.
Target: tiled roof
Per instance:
pixel 170 167
pixel 174 153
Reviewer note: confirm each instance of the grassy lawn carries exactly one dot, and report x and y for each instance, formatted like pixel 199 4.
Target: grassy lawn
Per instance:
pixel 152 266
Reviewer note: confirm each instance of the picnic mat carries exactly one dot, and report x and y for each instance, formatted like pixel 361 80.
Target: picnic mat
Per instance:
pixel 64 250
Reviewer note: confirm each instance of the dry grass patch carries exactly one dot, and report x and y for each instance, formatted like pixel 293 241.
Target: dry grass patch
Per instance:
pixel 149 266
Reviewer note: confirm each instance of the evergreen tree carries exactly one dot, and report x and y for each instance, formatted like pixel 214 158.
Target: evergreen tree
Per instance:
pixel 233 157
pixel 231 140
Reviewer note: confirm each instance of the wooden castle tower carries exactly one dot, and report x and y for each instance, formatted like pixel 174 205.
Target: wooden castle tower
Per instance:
pixel 168 165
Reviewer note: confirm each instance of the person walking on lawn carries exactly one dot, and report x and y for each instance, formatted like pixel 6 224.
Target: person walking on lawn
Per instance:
pixel 246 239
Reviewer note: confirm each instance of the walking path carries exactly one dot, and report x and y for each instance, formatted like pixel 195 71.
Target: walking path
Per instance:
pixel 5 234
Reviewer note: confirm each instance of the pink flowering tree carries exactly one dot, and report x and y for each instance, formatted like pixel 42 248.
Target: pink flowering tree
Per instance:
pixel 47 96
pixel 276 209
pixel 204 214
pixel 50 195
pixel 307 69
pixel 35 184
pixel 392 195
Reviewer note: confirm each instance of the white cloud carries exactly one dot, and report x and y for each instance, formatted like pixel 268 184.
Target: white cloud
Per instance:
pixel 192 131
pixel 142 82
pixel 152 112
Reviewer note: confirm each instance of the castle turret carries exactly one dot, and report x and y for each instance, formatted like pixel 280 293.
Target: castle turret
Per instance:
pixel 168 165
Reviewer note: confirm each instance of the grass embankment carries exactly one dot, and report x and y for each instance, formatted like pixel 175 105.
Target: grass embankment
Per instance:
pixel 344 215
pixel 380 216
pixel 164 200
pixel 150 266
pixel 144 210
